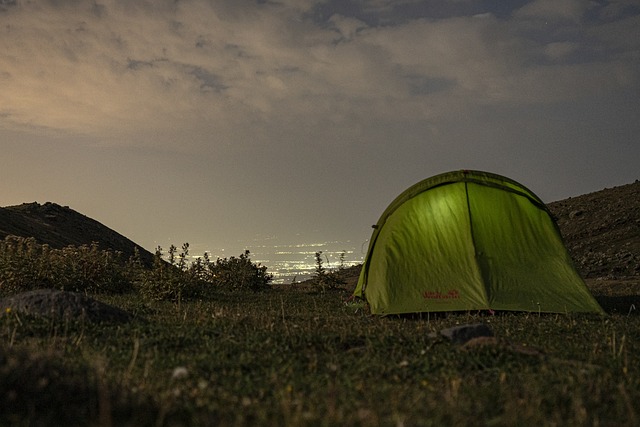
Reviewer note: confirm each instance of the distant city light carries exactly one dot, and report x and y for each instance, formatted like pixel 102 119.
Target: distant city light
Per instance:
pixel 289 262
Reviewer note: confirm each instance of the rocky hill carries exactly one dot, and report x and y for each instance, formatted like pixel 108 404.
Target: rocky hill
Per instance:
pixel 59 226
pixel 602 231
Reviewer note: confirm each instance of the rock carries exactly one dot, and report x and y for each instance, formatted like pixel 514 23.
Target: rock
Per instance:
pixel 480 342
pixel 179 373
pixel 484 342
pixel 575 214
pixel 462 334
pixel 55 304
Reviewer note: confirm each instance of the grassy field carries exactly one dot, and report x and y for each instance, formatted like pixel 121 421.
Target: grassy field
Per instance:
pixel 295 356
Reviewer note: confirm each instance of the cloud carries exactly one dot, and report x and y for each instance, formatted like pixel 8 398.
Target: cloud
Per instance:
pixel 616 8
pixel 346 27
pixel 228 68
pixel 559 50
pixel 572 10
pixel 127 66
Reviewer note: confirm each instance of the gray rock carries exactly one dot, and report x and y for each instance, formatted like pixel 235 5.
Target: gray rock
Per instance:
pixel 55 304
pixel 463 333
pixel 575 214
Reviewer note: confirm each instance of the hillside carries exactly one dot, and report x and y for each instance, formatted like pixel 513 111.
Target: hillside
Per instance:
pixel 59 226
pixel 602 231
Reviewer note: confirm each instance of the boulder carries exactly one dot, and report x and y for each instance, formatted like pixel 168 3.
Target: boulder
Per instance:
pixel 463 333
pixel 56 304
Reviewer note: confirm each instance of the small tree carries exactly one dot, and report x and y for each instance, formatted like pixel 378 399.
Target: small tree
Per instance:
pixel 326 280
pixel 342 261
pixel 320 275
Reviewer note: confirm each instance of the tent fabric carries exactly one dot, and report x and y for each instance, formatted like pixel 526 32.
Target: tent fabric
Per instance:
pixel 470 240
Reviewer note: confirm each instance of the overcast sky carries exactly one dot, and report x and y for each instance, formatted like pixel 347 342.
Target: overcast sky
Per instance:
pixel 223 121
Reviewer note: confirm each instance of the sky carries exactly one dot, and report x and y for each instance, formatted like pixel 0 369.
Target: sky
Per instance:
pixel 223 122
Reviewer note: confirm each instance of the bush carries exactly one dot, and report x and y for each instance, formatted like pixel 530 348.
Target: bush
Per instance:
pixel 327 279
pixel 90 269
pixel 170 280
pixel 27 265
pixel 175 279
pixel 23 264
pixel 238 274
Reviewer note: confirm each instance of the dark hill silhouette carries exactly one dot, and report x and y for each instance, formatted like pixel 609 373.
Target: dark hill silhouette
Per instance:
pixel 59 226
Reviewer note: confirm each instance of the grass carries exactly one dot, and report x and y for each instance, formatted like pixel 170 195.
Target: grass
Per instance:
pixel 298 357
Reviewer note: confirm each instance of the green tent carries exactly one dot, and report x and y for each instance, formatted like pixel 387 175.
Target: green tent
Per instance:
pixel 470 240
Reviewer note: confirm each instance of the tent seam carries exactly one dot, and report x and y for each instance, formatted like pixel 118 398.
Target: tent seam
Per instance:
pixel 476 256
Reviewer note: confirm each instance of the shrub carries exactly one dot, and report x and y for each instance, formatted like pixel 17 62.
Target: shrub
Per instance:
pixel 23 264
pixel 238 273
pixel 170 280
pixel 175 279
pixel 327 279
pixel 90 269
pixel 26 265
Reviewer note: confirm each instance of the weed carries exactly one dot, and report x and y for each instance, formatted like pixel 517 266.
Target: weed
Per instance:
pixel 324 279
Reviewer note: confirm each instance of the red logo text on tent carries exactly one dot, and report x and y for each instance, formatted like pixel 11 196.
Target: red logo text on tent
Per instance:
pixel 437 295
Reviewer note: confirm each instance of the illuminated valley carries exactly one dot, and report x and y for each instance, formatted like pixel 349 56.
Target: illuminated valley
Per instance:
pixel 291 263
